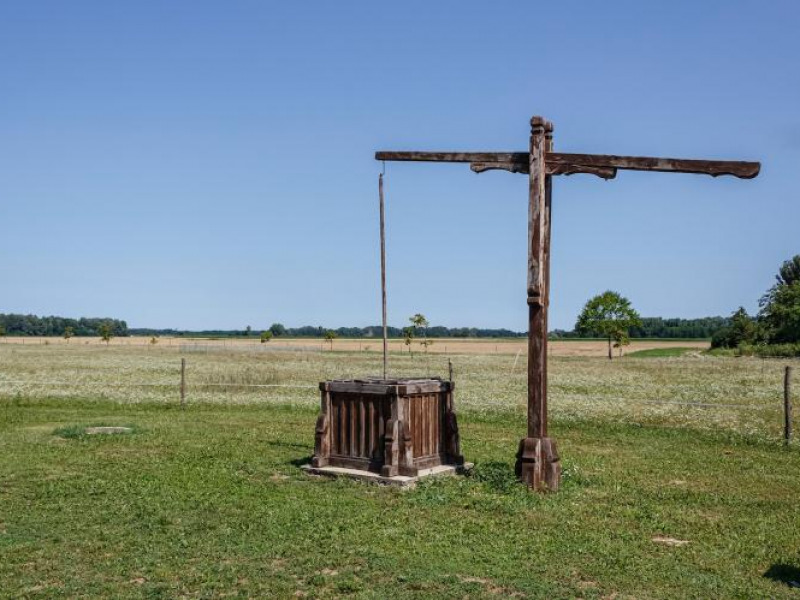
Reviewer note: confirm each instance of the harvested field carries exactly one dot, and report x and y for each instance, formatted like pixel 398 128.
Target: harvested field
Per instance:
pixel 693 390
pixel 438 346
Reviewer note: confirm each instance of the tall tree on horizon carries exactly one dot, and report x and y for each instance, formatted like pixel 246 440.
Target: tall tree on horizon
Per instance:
pixel 780 306
pixel 609 315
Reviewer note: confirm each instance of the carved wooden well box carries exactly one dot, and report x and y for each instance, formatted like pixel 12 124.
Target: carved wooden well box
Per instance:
pixel 387 426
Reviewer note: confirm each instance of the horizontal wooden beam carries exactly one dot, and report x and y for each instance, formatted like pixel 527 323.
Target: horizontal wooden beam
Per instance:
pixel 468 157
pixel 560 163
pixel 601 165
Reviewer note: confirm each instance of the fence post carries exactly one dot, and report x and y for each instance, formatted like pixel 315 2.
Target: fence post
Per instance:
pixel 183 382
pixel 787 405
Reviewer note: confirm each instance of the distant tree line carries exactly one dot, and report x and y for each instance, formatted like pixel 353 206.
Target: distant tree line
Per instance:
pixel 308 331
pixel 659 327
pixel 31 325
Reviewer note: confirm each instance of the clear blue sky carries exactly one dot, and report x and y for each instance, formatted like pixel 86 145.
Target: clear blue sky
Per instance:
pixel 210 164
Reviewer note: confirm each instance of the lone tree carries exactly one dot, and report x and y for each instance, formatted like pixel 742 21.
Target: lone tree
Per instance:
pixel 330 335
pixel 418 321
pixel 266 336
pixel 106 332
pixel 408 337
pixel 609 315
pixel 68 333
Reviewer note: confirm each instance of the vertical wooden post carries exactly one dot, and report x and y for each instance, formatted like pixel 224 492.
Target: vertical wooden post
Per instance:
pixel 787 405
pixel 537 459
pixel 183 382
pixel 391 437
pixel 383 275
pixel 322 440
pixel 537 292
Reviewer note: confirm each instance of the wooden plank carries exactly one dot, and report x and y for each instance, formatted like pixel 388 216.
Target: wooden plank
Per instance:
pixel 336 446
pixel 345 423
pixel 426 425
pixel 413 387
pixel 383 404
pixel 362 427
pixel 558 162
pixel 350 462
pixel 437 411
pixel 469 157
pixel 371 443
pixel 352 410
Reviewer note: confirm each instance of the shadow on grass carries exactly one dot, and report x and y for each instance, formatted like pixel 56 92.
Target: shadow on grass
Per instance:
pixel 497 475
pixel 299 462
pixel 783 573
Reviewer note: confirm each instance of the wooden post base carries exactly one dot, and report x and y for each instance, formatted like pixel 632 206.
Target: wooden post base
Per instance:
pixel 538 464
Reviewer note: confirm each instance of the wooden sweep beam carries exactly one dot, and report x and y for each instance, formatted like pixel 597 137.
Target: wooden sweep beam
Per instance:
pixel 560 163
pixel 538 463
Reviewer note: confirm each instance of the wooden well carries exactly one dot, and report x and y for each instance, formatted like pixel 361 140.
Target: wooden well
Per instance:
pixel 387 426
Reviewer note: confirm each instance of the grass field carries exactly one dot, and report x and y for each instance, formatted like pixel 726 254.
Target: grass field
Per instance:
pixel 209 501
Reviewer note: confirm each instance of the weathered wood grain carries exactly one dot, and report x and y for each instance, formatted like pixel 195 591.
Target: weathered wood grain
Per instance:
pixel 601 165
pixel 397 432
pixel 548 212
pixel 558 161
pixel 322 437
pixel 538 252
pixel 468 157
pixel 511 167
pixel 569 169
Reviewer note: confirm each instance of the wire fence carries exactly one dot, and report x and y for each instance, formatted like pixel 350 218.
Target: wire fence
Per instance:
pixel 180 388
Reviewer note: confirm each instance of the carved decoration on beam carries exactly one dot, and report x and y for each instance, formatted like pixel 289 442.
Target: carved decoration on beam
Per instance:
pixel 564 169
pixel 511 167
pixel 715 168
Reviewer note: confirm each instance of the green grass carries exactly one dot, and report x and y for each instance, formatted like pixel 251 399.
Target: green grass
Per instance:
pixel 209 501
pixel 660 352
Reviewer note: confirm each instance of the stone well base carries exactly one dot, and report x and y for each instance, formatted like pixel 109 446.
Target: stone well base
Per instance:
pixel 397 480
